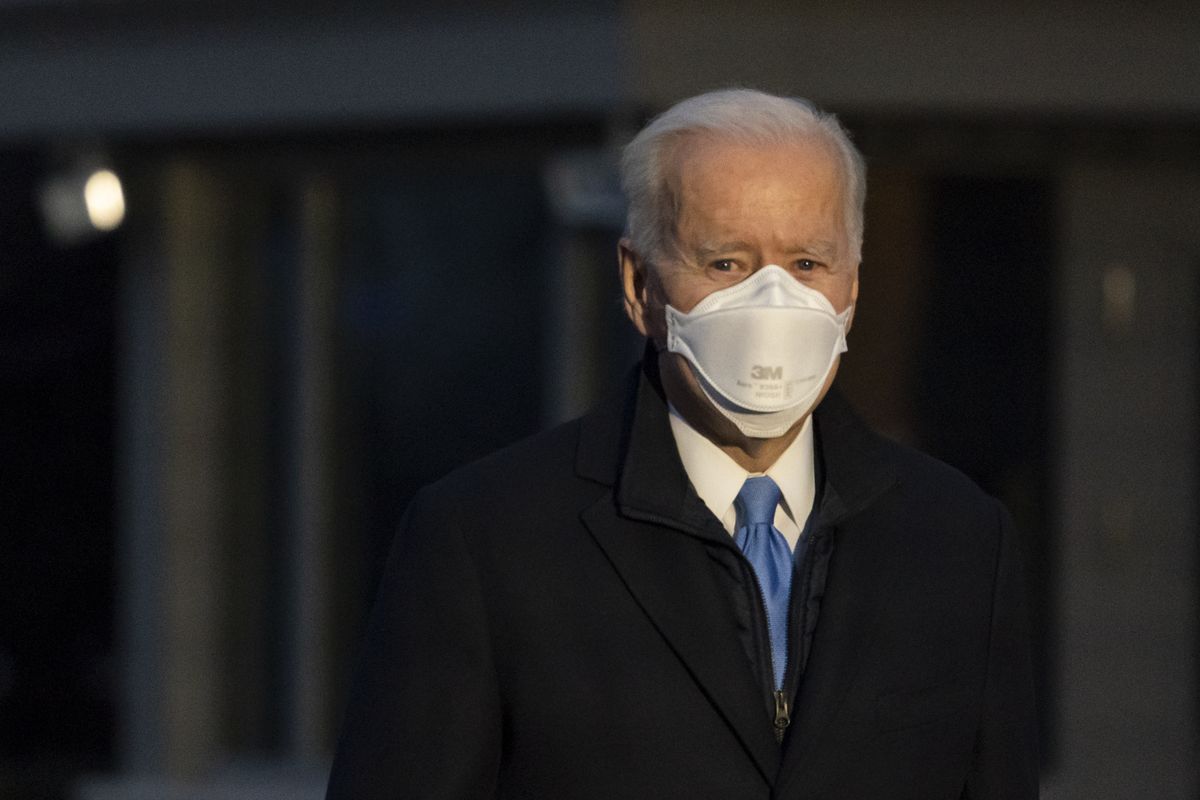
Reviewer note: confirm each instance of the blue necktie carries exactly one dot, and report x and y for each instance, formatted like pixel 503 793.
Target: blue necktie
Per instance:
pixel 767 551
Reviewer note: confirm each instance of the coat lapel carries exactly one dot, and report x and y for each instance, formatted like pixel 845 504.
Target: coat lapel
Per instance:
pixel 671 578
pixel 657 533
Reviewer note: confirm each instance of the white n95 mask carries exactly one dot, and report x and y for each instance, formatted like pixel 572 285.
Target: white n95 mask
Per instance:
pixel 761 349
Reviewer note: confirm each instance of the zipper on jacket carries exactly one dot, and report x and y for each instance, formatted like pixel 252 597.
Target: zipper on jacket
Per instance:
pixel 783 715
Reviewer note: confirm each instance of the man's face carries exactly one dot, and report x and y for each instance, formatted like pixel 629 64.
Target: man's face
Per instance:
pixel 741 208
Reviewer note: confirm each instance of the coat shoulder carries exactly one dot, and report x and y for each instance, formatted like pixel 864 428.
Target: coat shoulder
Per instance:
pixel 924 472
pixel 864 465
pixel 531 466
pixel 928 488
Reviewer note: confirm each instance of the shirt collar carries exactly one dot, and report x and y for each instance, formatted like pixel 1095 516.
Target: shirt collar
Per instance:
pixel 717 478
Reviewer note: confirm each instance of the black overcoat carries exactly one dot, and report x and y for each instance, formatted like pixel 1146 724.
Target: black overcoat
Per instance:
pixel 552 623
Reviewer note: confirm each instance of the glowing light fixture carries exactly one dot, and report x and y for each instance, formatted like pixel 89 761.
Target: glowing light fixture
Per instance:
pixel 82 202
pixel 105 200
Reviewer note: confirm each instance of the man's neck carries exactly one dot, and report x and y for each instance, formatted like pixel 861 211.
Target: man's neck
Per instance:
pixel 757 455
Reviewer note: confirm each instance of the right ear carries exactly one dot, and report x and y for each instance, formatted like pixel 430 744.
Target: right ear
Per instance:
pixel 635 278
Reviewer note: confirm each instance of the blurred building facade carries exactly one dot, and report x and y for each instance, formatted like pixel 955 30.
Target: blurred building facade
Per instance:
pixel 366 244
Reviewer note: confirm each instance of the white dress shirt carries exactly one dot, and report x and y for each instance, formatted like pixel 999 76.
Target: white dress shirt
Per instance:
pixel 717 478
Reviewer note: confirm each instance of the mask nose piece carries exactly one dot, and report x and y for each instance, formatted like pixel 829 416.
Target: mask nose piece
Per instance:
pixel 772 290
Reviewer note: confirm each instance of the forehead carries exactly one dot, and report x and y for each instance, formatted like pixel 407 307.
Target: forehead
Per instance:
pixel 784 189
pixel 699 150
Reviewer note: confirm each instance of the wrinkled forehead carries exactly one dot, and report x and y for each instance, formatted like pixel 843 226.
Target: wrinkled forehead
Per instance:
pixel 692 148
pixel 706 157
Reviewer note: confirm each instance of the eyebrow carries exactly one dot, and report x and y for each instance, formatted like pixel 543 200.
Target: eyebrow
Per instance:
pixel 712 248
pixel 820 247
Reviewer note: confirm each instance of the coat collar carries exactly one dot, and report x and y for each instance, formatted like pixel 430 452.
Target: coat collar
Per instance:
pixel 627 443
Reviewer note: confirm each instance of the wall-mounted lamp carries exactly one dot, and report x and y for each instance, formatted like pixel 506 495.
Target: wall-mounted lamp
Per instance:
pixel 81 203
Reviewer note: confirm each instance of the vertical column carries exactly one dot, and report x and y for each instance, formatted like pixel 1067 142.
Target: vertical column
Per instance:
pixel 175 404
pixel 1128 483
pixel 195 474
pixel 310 495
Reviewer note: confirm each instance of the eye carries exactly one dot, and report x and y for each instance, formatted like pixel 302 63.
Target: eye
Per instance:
pixel 807 265
pixel 724 265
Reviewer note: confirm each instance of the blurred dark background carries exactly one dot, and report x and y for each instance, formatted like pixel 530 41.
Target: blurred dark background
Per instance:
pixel 267 268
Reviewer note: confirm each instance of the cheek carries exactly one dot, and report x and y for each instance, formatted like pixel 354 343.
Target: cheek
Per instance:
pixel 840 293
pixel 685 302
pixel 683 293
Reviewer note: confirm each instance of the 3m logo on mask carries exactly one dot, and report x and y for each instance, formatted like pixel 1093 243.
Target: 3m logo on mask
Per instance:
pixel 761 373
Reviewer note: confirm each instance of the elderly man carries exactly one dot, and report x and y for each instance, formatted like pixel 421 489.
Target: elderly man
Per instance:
pixel 719 584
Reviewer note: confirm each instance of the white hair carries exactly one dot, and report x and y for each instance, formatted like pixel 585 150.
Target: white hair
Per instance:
pixel 740 115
